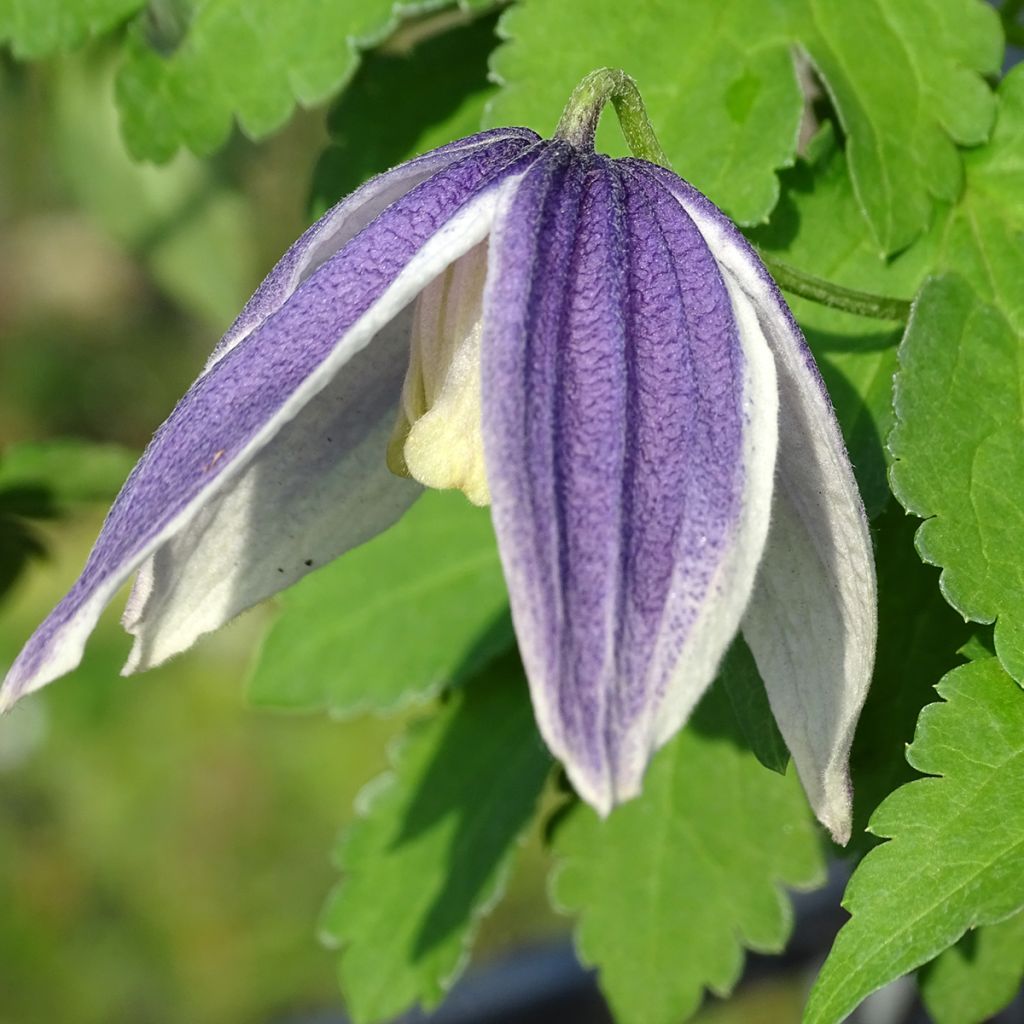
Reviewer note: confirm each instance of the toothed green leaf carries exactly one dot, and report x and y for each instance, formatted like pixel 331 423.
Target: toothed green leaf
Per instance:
pixel 955 856
pixel 422 606
pixel 433 846
pixel 673 885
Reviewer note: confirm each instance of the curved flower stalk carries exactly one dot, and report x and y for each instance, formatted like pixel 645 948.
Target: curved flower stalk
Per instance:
pixel 588 345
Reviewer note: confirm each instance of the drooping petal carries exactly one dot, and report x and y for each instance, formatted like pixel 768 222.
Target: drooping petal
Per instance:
pixel 232 414
pixel 812 620
pixel 629 429
pixel 343 221
pixel 320 487
pixel 190 585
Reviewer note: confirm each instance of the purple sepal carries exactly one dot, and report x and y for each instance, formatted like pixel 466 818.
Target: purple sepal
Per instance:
pixel 265 379
pixel 616 407
pixel 812 619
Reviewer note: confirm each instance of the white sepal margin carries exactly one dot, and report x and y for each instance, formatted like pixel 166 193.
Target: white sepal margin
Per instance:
pixel 466 229
pixel 812 621
pixel 730 591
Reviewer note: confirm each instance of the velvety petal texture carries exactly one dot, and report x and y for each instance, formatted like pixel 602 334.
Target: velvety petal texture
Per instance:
pixel 812 620
pixel 204 466
pixel 629 415
pixel 340 224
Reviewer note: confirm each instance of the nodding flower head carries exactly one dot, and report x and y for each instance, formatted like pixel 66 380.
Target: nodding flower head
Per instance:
pixel 590 347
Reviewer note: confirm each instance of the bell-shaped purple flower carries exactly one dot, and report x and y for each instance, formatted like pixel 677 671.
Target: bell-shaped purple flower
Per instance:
pixel 590 346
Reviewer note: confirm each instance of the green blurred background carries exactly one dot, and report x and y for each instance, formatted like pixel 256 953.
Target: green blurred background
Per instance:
pixel 164 851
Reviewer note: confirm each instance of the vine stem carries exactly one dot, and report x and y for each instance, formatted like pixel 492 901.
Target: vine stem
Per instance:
pixel 850 300
pixel 578 127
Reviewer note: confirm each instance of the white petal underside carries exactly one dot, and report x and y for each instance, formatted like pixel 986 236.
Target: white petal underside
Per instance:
pixel 812 621
pixel 318 487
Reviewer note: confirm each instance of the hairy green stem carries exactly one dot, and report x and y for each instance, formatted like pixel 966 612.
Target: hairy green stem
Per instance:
pixel 578 124
pixel 807 286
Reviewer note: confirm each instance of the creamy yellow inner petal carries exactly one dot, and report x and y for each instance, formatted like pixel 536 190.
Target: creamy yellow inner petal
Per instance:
pixel 437 438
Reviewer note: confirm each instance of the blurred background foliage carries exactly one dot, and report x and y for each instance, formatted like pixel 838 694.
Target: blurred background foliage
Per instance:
pixel 164 850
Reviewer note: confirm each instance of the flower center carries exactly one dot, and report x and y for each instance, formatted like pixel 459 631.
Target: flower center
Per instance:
pixel 437 438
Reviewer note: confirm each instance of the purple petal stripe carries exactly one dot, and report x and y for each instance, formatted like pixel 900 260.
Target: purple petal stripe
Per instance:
pixel 235 408
pixel 343 221
pixel 615 385
pixel 812 620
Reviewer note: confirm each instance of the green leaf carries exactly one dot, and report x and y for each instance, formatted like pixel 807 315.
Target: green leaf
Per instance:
pixel 955 859
pixel 69 471
pixel 973 980
pixel 818 228
pixel 920 639
pixel 959 455
pixel 672 885
pixel 249 60
pixel 906 80
pixel 719 84
pixel 194 232
pixel 434 845
pixel 749 702
pixel 432 94
pixel 718 81
pixel 38 28
pixel 420 607
pixel 982 237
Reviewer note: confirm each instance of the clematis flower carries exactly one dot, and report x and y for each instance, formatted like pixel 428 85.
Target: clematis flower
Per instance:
pixel 592 348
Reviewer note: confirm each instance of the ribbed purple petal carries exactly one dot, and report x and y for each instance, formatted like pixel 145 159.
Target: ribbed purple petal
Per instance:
pixel 316 490
pixel 242 402
pixel 619 400
pixel 812 620
pixel 343 221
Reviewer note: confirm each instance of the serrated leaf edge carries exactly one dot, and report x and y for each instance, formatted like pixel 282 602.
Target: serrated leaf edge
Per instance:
pixel 365 801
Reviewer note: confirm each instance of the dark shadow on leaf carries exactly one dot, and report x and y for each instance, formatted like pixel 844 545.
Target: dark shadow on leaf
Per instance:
pixel 364 143
pixel 748 699
pixel 487 774
pixel 863 443
pixel 35 501
pixel 784 223
pixel 714 718
pixel 558 817
pixel 918 643
pixel 869 341
pixel 496 640
pixel 19 544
